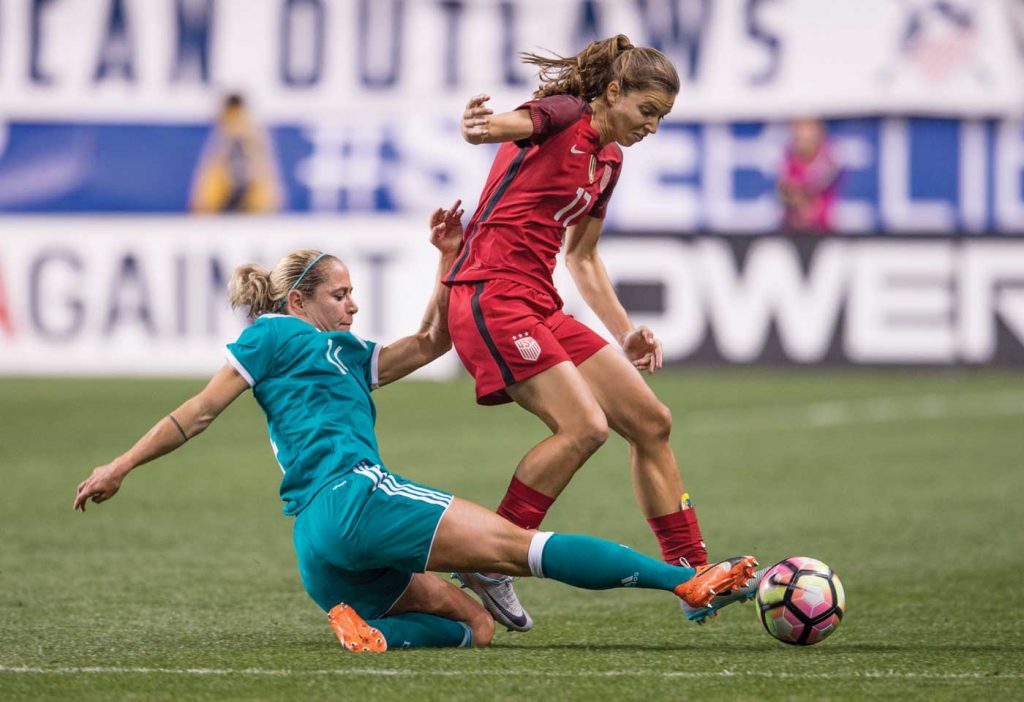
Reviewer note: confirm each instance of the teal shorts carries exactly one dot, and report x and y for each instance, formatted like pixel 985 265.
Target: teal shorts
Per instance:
pixel 360 540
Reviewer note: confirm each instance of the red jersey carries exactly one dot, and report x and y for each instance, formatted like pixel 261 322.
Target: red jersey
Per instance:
pixel 536 188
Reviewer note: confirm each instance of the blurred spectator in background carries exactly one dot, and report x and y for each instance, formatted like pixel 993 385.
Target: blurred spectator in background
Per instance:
pixel 809 182
pixel 236 171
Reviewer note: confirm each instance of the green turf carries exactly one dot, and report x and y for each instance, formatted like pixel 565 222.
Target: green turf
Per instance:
pixel 909 485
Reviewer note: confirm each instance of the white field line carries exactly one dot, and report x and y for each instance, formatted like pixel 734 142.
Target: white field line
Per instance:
pixel 842 412
pixel 269 672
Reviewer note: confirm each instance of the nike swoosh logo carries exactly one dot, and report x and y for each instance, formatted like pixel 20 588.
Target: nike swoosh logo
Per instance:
pixel 574 150
pixel 517 620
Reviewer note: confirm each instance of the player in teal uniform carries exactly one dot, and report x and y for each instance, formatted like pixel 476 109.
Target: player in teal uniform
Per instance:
pixel 364 536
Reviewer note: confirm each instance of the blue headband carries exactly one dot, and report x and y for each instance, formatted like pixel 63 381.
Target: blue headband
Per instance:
pixel 299 280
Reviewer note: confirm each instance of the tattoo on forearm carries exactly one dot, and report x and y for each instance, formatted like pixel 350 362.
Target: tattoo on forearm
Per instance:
pixel 183 434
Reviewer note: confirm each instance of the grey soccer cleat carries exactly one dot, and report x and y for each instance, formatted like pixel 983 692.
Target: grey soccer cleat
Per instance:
pixel 499 598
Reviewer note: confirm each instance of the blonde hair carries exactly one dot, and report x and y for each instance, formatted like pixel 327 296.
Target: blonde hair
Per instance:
pixel 262 291
pixel 589 73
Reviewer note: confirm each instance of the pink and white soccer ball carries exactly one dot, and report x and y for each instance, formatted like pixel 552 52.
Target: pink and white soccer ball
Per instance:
pixel 800 601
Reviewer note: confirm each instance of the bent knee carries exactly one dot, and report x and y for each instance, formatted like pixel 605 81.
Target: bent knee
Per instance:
pixel 661 422
pixel 591 433
pixel 652 425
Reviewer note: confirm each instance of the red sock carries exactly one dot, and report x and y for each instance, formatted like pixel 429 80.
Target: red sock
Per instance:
pixel 679 536
pixel 524 506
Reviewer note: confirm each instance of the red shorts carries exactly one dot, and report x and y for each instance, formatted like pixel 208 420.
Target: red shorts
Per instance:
pixel 506 332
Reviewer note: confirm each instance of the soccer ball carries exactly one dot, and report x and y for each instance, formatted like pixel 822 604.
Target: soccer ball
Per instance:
pixel 800 601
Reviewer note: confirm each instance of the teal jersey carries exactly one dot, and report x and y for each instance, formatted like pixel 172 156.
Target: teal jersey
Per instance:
pixel 314 388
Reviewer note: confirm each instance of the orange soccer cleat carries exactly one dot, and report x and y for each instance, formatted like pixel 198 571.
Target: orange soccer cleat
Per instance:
pixel 354 634
pixel 730 574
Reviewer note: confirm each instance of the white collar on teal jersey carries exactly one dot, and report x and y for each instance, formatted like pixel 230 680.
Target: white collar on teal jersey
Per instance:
pixel 272 315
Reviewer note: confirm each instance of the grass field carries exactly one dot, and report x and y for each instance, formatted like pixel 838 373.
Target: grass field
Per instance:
pixel 184 586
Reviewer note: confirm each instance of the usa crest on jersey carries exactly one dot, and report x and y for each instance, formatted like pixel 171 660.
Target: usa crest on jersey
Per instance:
pixel 528 347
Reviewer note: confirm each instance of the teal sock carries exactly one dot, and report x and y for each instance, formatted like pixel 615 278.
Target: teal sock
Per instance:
pixel 596 564
pixel 418 630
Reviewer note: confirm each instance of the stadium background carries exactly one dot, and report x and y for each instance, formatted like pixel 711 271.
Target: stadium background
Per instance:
pixel 108 107
pixel 108 118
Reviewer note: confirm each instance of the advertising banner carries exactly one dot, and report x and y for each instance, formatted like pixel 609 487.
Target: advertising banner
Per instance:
pixel 146 296
pixel 163 60
pixel 864 300
pixel 353 106
pixel 896 174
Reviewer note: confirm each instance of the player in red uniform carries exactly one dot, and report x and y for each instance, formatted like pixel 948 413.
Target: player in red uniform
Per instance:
pixel 550 184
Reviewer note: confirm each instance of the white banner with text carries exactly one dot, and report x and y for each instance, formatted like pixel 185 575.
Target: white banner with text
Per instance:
pixel 298 60
pixel 147 296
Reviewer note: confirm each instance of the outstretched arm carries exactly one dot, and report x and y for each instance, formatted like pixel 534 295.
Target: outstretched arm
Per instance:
pixel 591 278
pixel 432 340
pixel 169 433
pixel 481 126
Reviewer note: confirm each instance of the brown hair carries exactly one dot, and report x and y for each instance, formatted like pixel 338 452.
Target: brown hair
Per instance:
pixel 588 73
pixel 264 291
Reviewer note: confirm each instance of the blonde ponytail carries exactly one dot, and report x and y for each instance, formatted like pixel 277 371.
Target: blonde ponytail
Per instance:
pixel 250 287
pixel 262 291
